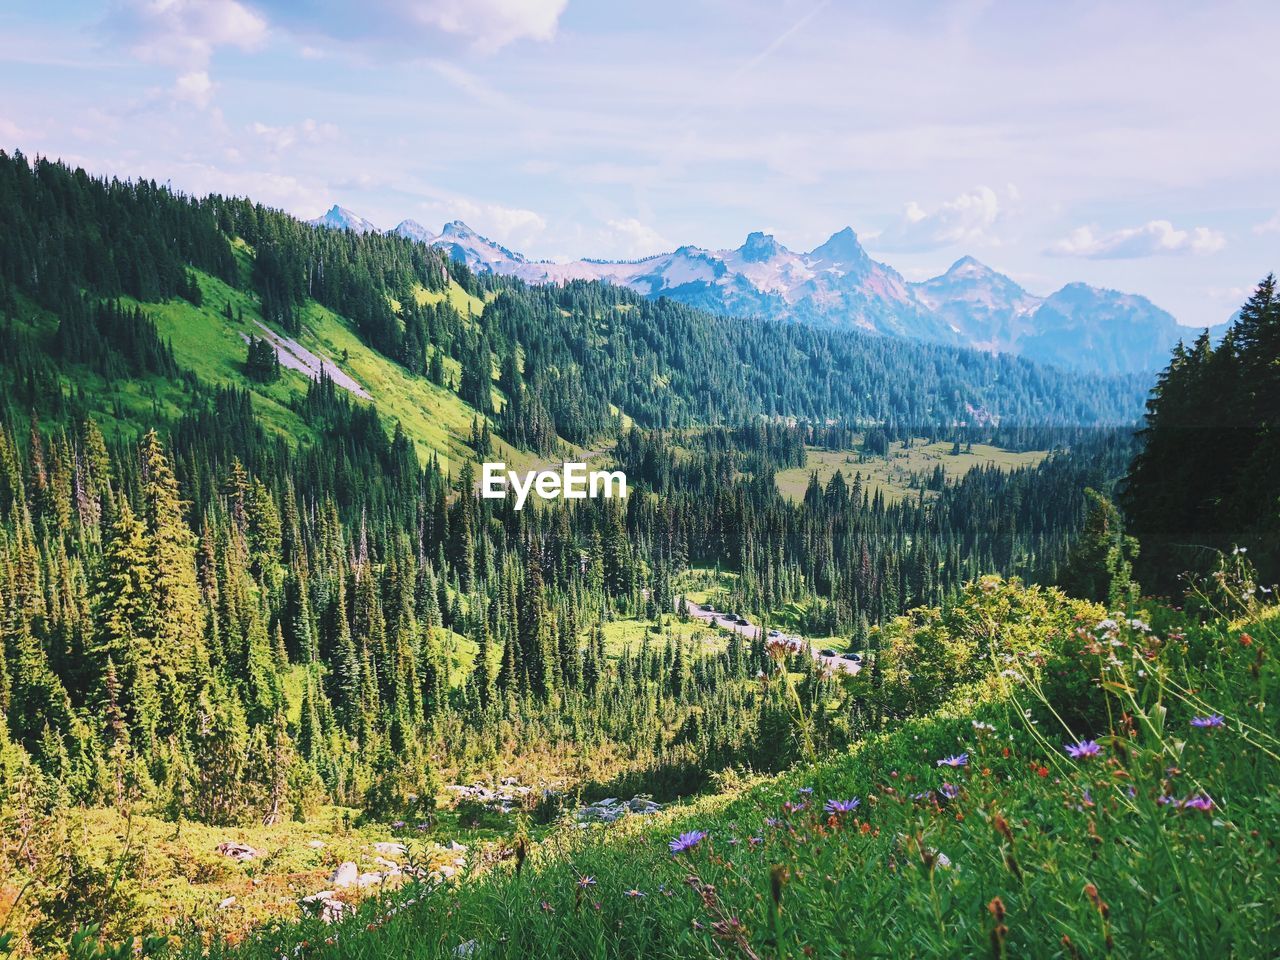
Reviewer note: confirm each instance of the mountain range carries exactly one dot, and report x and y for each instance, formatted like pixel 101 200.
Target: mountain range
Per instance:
pixel 838 284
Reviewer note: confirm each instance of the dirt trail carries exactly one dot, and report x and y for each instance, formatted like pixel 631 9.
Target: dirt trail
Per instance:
pixel 297 357
pixel 751 631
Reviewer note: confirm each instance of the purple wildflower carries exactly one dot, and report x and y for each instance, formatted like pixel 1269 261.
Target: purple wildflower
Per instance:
pixel 585 881
pixel 842 806
pixel 1201 801
pixel 1083 750
pixel 923 796
pixel 772 821
pixel 959 760
pixel 756 841
pixel 949 790
pixel 1164 801
pixel 634 893
pixel 804 790
pixel 790 807
pixel 1212 720
pixel 687 841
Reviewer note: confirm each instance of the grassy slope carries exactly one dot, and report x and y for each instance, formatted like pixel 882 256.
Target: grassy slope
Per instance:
pixel 1039 847
pixel 120 407
pixel 892 475
pixel 212 346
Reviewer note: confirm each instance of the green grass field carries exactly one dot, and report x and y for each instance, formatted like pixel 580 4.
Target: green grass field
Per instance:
pixel 972 831
pixel 893 476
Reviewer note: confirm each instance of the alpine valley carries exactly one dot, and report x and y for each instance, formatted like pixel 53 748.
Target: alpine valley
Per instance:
pixel 886 651
pixel 837 284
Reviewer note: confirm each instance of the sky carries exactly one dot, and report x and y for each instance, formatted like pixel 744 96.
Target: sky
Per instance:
pixel 1130 145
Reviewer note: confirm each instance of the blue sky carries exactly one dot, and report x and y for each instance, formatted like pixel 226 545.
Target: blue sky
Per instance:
pixel 1128 144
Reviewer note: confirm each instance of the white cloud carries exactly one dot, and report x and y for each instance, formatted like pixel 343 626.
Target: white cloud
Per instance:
pixel 194 87
pixel 10 131
pixel 282 138
pixel 186 32
pixel 420 25
pixel 1158 237
pixel 629 238
pixel 511 226
pixel 968 219
pixel 1269 226
pixel 491 24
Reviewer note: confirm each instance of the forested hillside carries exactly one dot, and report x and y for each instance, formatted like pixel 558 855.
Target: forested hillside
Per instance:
pixel 546 362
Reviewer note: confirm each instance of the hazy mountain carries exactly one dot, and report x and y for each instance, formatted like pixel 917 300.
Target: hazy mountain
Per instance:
pixel 838 284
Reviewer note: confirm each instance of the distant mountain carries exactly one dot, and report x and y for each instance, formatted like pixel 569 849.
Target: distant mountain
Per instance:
pixel 834 284
pixel 479 253
pixel 340 218
pixel 1103 329
pixel 838 284
pixel 414 231
pixel 1078 326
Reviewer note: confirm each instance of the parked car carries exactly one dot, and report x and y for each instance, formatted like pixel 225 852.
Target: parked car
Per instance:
pixel 852 657
pixel 827 653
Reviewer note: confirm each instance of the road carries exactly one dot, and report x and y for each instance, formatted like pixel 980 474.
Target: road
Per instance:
pixel 751 631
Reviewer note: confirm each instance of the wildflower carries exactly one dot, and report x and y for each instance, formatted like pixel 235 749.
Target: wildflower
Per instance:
pixel 1139 626
pixel 397 825
pixel 772 821
pixel 733 841
pixel 949 790
pixel 547 908
pixel 1165 800
pixel 981 727
pixel 790 807
pixel 1212 720
pixel 779 648
pixel 756 841
pixel 633 893
pixel 1201 801
pixel 923 796
pixel 1083 750
pixel 584 882
pixel 842 806
pixel 959 760
pixel 804 790
pixel 687 841
pixel 943 861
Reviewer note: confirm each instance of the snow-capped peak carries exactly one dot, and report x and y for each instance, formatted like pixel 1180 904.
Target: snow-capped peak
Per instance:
pixel 413 230
pixel 477 252
pixel 340 218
